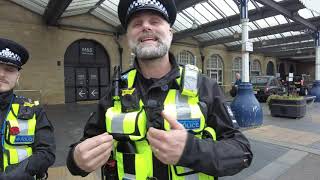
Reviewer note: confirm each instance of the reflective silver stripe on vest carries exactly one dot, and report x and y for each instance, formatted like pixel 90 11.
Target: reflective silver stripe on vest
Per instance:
pixel 129 177
pixel 22 154
pixel 23 127
pixel 182 107
pixel 117 123
pixel 190 80
pixel 191 176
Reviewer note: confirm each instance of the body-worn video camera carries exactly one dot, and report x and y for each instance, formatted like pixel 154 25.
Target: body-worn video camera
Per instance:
pixel 153 111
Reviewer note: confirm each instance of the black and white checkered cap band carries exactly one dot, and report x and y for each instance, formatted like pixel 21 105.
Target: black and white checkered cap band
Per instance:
pixel 141 3
pixel 8 54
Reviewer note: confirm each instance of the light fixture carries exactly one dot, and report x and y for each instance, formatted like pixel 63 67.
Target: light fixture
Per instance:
pixel 194 23
pixel 236 35
pixel 299 51
pixel 263 42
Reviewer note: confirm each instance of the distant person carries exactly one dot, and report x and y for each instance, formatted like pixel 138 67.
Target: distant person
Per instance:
pixel 234 88
pixel 238 80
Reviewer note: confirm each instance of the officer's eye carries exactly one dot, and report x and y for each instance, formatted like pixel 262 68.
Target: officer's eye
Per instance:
pixel 10 69
pixel 136 23
pixel 155 21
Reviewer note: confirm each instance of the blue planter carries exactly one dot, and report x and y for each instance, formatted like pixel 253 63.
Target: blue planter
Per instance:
pixel 315 90
pixel 246 108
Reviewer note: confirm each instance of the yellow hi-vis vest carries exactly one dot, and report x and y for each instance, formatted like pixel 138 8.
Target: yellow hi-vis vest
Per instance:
pixel 18 147
pixel 133 124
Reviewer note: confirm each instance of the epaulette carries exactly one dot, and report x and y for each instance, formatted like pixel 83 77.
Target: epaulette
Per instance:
pixel 124 75
pixel 26 101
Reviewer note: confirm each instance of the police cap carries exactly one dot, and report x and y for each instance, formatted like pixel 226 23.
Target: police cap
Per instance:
pixel 127 8
pixel 12 53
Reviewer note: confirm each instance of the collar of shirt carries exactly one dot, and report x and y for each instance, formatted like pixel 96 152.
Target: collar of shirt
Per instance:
pixel 5 99
pixel 165 80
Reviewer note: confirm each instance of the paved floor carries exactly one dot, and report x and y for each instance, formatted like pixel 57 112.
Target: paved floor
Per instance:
pixel 284 149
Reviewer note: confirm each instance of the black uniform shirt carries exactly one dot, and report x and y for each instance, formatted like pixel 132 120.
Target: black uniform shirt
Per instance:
pixel 227 156
pixel 44 145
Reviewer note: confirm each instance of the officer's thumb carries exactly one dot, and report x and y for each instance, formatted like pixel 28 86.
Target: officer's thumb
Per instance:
pixel 172 120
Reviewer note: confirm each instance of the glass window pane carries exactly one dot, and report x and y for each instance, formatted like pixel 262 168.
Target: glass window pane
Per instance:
pixel 186 57
pixel 215 68
pixel 305 13
pixel 271 21
pixel 233 6
pixel 223 7
pixel 205 13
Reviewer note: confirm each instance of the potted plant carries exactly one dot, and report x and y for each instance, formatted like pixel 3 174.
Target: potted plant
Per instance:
pixel 291 106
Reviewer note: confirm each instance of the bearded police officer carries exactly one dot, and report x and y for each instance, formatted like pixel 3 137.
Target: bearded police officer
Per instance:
pixel 27 140
pixel 160 120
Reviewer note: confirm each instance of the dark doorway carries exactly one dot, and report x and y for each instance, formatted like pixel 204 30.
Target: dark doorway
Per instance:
pixel 292 70
pixel 86 71
pixel 282 71
pixel 270 68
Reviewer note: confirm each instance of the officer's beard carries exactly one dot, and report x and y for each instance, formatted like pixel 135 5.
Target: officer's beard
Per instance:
pixel 145 51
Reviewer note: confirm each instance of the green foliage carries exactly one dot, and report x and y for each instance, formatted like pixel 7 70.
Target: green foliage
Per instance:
pixel 284 97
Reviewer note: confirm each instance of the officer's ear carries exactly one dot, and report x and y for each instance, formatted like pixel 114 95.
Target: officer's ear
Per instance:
pixel 171 33
pixel 18 77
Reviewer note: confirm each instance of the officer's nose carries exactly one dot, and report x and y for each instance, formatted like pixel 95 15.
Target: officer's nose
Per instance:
pixel 2 72
pixel 146 26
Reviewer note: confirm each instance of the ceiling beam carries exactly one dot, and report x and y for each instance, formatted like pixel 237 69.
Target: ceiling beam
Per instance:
pixel 295 46
pixel 54 11
pixel 261 32
pixel 300 58
pixel 287 13
pixel 271 42
pixel 291 53
pixel 264 12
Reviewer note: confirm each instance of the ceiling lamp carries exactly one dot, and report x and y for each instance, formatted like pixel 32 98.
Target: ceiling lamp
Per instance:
pixel 194 23
pixel 236 35
pixel 299 51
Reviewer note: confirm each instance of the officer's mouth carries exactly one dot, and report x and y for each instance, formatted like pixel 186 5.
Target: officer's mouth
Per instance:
pixel 4 81
pixel 149 39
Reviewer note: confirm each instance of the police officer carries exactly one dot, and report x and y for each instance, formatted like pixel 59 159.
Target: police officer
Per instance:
pixel 27 141
pixel 166 121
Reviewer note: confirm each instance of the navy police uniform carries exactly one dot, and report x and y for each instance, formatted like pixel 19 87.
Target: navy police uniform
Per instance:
pixel 39 144
pixel 226 156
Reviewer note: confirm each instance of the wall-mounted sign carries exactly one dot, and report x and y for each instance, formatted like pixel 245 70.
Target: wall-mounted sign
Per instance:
pixel 87 51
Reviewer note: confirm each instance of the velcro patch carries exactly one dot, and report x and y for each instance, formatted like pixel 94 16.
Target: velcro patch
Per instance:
pixel 23 139
pixel 190 123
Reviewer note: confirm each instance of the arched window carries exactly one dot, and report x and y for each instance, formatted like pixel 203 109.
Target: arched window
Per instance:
pixel 236 67
pixel 270 68
pixel 215 68
pixel 186 57
pixel 255 68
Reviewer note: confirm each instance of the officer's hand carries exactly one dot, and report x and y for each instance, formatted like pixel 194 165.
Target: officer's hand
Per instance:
pixel 94 152
pixel 168 146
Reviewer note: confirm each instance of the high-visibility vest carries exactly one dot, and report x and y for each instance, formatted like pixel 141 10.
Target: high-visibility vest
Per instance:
pixel 133 126
pixel 19 135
